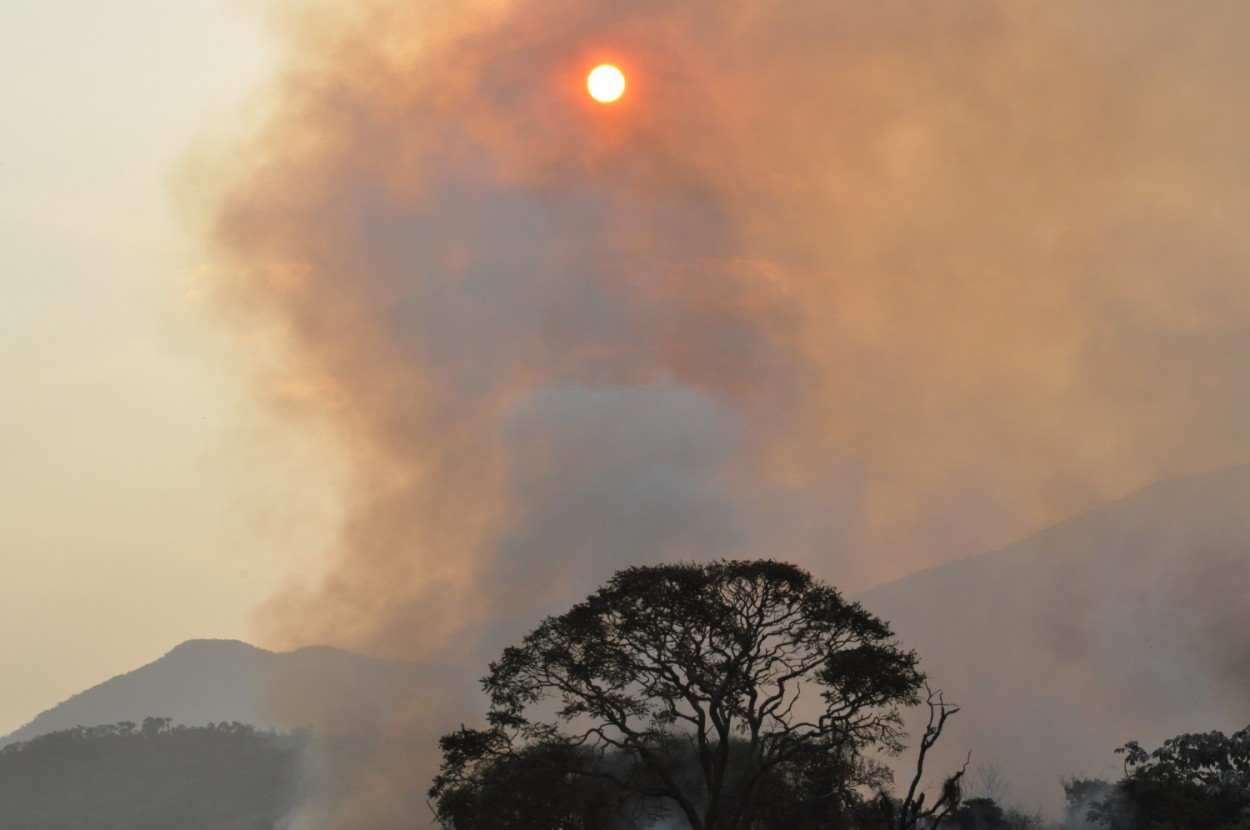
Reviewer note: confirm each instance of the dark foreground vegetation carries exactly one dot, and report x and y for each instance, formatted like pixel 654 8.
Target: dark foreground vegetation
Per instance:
pixel 720 696
pixel 1192 782
pixel 750 696
pixel 149 776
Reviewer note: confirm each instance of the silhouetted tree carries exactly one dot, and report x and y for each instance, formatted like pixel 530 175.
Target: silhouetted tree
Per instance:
pixel 1081 794
pixel 912 811
pixel 709 688
pixel 545 785
pixel 988 814
pixel 155 726
pixel 1195 782
pixel 818 790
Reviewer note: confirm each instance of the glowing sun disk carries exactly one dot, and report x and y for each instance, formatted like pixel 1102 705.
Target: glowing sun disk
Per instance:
pixel 606 83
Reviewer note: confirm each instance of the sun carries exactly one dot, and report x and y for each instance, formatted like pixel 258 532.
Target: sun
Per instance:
pixel 606 83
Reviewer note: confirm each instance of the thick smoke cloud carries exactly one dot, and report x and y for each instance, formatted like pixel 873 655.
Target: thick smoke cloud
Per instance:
pixel 865 286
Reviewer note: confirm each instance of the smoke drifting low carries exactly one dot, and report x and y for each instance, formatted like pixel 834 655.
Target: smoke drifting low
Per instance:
pixel 864 286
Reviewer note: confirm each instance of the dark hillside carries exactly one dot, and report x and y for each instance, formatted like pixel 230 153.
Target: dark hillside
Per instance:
pixel 215 681
pixel 149 776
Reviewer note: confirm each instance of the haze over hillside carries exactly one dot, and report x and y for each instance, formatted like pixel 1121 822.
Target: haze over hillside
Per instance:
pixel 1127 622
pixel 206 681
pixel 1130 621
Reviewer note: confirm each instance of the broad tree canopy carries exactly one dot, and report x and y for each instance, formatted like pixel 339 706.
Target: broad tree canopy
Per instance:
pixel 692 686
pixel 1197 780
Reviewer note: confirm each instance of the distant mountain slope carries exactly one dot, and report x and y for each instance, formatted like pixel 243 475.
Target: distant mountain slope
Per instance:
pixel 207 681
pixel 1131 621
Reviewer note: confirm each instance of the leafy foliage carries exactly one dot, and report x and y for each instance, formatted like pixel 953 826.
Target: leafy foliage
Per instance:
pixel 545 785
pixel 683 685
pixel 150 776
pixel 1197 782
pixel 988 814
pixel 1081 795
pixel 818 790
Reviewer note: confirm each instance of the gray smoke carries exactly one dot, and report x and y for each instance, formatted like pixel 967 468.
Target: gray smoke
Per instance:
pixel 864 286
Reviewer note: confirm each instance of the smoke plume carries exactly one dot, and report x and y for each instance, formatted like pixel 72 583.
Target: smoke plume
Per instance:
pixel 863 286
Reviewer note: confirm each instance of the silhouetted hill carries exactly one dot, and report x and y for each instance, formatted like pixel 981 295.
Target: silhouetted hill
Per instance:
pixel 1131 621
pixel 215 681
pixel 150 776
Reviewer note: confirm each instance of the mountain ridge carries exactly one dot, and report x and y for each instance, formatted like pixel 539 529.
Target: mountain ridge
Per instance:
pixel 1237 475
pixel 203 681
pixel 1129 621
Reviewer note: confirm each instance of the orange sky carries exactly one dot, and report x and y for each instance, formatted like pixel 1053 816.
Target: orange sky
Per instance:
pixel 863 287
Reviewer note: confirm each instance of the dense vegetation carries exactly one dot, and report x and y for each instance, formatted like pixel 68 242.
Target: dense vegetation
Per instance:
pixel 733 695
pixel 720 696
pixel 671 697
pixel 1193 782
pixel 149 776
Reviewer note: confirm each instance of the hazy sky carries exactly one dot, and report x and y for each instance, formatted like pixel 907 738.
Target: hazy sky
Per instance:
pixel 125 521
pixel 868 286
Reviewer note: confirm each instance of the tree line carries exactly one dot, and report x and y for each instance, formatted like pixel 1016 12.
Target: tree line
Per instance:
pixel 149 776
pixel 716 696
pixel 747 695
